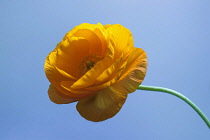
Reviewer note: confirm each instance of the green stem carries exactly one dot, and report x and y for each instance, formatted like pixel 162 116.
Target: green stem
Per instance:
pixel 179 95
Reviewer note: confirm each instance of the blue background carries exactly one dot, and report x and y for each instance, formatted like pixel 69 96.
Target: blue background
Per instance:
pixel 174 33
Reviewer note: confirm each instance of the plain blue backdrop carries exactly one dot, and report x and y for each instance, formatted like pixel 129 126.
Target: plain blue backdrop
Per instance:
pixel 174 33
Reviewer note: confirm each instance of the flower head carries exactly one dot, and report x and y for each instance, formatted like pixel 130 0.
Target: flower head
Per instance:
pixel 97 66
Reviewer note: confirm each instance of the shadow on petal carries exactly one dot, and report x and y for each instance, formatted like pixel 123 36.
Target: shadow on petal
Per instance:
pixel 101 106
pixel 54 97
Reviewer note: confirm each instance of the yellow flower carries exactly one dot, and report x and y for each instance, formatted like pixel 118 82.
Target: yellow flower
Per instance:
pixel 97 66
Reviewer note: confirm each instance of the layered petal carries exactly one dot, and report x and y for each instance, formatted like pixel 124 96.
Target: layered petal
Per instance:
pixel 81 44
pixel 95 34
pixel 134 72
pixel 82 41
pixel 62 80
pixel 63 65
pixel 110 75
pixel 122 38
pixel 97 66
pixel 109 101
pixel 101 106
pixel 89 78
pixel 54 96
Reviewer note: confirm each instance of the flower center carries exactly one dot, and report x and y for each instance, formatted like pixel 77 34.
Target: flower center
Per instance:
pixel 89 62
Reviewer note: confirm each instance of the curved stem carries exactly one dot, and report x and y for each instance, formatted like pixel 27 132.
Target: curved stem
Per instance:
pixel 179 95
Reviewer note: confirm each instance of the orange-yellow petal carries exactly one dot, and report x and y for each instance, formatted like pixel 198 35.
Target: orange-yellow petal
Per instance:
pixel 54 97
pixel 109 101
pixel 104 105
pixel 107 26
pixel 112 71
pixel 89 78
pixel 95 35
pixel 82 41
pixel 134 72
pixel 122 38
pixel 62 65
pixel 98 66
pixel 62 80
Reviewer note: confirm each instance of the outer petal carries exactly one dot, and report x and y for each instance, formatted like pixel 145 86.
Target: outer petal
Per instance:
pixel 62 65
pixel 134 72
pixel 101 106
pixel 54 97
pixel 107 26
pixel 109 101
pixel 122 37
pixel 94 33
pixel 62 80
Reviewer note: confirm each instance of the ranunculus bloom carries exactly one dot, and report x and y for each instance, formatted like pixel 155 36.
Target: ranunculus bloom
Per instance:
pixel 97 66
